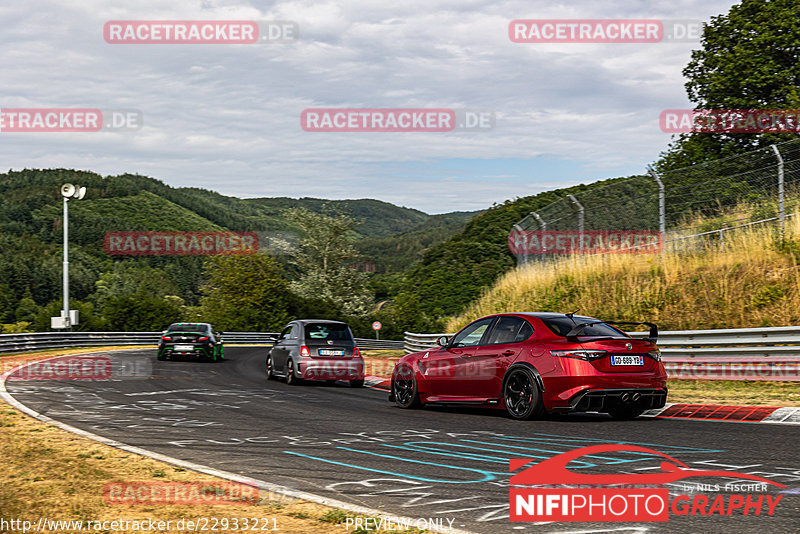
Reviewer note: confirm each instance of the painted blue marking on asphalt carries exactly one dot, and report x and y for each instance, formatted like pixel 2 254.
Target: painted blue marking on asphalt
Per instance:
pixel 487 475
pixel 609 459
pixel 551 437
pixel 419 446
pixel 440 452
pixel 476 450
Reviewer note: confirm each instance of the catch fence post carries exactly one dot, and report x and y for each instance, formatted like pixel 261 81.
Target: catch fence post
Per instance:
pixel 542 224
pixel 580 219
pixel 662 209
pixel 781 204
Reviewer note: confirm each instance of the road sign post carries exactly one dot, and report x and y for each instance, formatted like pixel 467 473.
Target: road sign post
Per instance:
pixel 377 327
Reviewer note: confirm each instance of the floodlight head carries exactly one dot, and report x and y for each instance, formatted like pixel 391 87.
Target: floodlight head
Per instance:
pixel 80 193
pixel 67 190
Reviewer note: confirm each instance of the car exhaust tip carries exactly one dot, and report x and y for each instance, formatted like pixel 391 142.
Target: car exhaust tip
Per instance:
pixel 624 397
pixel 635 397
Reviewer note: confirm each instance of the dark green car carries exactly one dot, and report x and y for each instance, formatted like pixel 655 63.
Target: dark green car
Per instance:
pixel 197 340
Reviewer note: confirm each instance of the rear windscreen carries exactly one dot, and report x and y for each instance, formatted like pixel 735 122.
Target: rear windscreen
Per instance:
pixel 188 328
pixel 324 331
pixel 562 325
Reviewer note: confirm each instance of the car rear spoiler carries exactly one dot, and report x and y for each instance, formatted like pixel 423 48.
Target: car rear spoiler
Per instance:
pixel 573 334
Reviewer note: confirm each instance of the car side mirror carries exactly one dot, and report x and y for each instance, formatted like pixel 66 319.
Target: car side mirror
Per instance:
pixel 443 341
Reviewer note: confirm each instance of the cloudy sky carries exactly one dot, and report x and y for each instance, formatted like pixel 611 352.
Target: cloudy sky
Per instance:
pixel 227 117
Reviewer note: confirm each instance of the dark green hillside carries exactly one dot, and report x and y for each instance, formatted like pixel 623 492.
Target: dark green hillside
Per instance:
pixel 453 273
pixel 379 219
pixel 394 254
pixel 26 192
pixel 31 235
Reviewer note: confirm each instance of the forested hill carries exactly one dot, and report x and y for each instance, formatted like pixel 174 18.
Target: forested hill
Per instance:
pixel 31 234
pixel 453 273
pixel 130 201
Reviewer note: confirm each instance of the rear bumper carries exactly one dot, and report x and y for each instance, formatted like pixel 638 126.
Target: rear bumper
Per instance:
pixel 603 400
pixel 332 369
pixel 198 350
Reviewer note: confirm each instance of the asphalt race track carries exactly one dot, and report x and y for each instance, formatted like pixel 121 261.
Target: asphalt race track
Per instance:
pixel 353 445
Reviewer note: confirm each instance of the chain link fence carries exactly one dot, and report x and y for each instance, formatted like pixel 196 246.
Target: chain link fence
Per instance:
pixel 685 209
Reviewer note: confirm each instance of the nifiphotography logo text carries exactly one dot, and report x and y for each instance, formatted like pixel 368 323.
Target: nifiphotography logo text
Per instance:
pixel 629 497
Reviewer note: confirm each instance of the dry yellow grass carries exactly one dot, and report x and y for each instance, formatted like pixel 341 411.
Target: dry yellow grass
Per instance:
pixel 750 281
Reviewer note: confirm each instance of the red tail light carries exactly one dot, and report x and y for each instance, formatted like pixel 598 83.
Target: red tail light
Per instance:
pixel 166 338
pixel 204 338
pixel 356 352
pixel 579 354
pixel 304 351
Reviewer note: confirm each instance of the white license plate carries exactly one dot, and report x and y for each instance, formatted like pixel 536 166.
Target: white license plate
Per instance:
pixel 331 352
pixel 184 348
pixel 627 360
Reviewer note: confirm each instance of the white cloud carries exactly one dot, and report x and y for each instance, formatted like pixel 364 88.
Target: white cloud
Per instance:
pixel 226 117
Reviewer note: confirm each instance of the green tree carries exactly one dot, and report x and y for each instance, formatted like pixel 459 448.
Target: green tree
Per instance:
pixel 127 278
pixel 325 257
pixel 140 312
pixel 748 60
pixel 26 310
pixel 245 293
pixel 8 304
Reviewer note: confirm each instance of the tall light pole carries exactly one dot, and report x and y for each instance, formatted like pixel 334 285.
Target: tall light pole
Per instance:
pixel 68 317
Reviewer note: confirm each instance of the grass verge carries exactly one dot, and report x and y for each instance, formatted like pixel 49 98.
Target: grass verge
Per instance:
pixel 752 280
pixel 737 392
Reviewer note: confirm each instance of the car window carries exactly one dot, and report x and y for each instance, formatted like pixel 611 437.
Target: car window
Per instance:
pixel 328 331
pixel 187 328
pixel 510 330
pixel 294 332
pixel 472 334
pixel 285 333
pixel 562 325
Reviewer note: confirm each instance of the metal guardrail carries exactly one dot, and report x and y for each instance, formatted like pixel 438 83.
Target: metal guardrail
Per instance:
pixel 416 342
pixel 729 354
pixel 57 340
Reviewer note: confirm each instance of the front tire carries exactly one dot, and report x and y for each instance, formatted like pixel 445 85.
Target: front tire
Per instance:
pixel 521 393
pixel 291 378
pixel 404 389
pixel 270 373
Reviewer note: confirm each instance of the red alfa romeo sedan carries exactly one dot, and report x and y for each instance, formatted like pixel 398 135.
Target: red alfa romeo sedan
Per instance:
pixel 532 363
